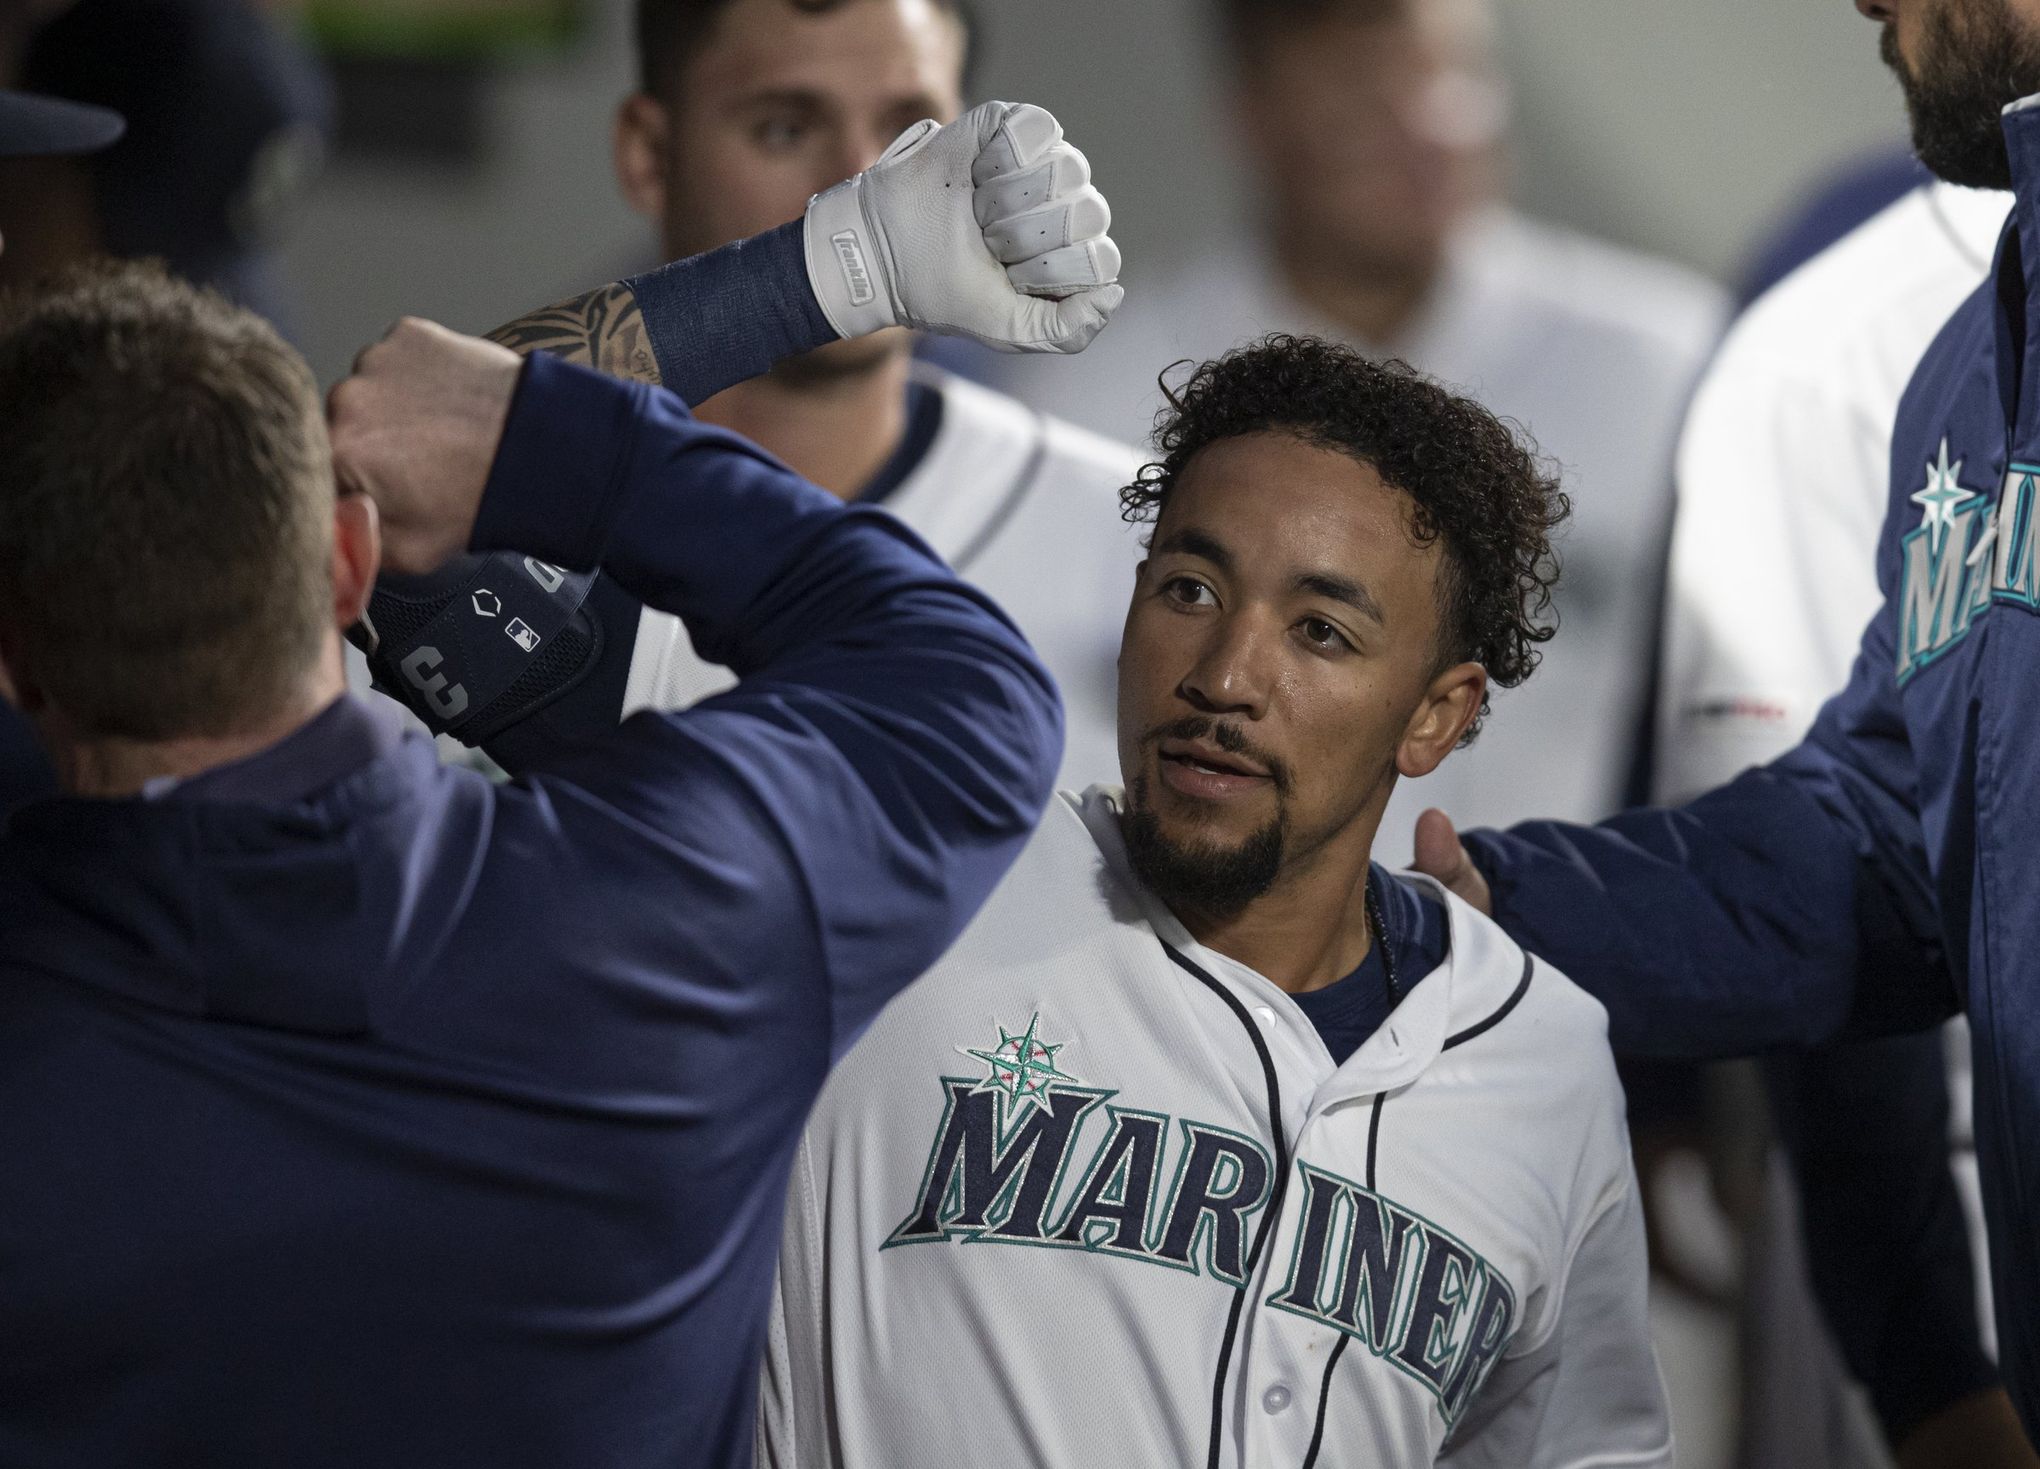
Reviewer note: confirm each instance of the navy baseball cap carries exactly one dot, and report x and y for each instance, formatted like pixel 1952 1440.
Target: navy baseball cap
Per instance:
pixel 226 110
pixel 39 125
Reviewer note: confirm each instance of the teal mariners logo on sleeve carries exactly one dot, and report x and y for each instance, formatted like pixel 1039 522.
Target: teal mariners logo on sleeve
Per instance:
pixel 1966 553
pixel 1018 1160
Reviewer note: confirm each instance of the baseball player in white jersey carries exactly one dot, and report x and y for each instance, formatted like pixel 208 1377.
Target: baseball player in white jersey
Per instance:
pixel 1781 466
pixel 746 108
pixel 1211 1141
pixel 999 492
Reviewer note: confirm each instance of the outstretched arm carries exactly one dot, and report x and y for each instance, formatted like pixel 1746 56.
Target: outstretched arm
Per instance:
pixel 1781 910
pixel 694 327
pixel 989 228
pixel 939 234
pixel 892 740
pixel 602 329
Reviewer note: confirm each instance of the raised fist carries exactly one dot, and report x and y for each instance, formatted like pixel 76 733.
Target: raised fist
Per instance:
pixel 416 428
pixel 988 228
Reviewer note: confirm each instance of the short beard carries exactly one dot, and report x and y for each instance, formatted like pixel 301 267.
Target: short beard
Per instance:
pixel 1967 73
pixel 1210 881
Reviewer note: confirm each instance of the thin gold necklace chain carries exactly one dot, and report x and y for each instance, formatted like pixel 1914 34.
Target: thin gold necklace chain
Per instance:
pixel 1379 924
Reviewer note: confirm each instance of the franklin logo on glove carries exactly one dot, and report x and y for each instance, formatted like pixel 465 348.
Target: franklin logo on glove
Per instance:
pixel 854 273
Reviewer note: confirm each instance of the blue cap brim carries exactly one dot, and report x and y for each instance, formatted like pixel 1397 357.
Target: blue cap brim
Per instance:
pixel 41 125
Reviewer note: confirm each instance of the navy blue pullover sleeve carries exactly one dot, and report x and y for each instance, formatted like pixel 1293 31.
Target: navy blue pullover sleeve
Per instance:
pixel 1887 1247
pixel 1790 906
pixel 712 320
pixel 892 740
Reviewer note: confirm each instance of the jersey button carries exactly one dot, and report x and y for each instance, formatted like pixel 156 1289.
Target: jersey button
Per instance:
pixel 1276 1398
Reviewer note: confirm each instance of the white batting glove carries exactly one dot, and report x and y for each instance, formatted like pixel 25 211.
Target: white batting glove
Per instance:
pixel 988 228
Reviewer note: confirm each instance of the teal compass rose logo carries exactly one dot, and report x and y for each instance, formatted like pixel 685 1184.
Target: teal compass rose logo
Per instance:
pixel 1942 497
pixel 1022 1066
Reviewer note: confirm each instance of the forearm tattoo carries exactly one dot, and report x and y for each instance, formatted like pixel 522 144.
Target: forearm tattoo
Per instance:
pixel 602 329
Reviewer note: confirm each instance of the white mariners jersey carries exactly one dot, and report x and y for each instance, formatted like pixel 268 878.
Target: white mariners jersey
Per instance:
pixel 1026 509
pixel 1784 472
pixel 1090 1194
pixel 1594 350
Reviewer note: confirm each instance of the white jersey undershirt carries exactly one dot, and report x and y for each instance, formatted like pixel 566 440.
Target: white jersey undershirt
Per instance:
pixel 1022 506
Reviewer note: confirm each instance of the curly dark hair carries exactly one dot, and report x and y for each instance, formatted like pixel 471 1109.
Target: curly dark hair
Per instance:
pixel 1474 480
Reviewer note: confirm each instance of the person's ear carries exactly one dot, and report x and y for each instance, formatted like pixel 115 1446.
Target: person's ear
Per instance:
pixel 643 153
pixel 1451 703
pixel 357 553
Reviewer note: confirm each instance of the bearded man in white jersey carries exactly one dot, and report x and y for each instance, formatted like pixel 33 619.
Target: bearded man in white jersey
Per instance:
pixel 1205 1096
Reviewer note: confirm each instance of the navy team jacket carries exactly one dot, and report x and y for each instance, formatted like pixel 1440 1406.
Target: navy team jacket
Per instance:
pixel 419 1121
pixel 1888 870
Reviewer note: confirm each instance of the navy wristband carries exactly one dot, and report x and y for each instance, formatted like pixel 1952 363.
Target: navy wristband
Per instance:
pixel 716 319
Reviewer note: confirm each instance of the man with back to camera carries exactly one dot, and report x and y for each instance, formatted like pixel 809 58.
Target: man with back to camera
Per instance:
pixel 361 1129
pixel 1204 1097
pixel 744 109
pixel 1373 135
pixel 1880 873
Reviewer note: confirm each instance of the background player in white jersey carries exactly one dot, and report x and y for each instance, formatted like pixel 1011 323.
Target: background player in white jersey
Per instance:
pixel 1375 137
pixel 745 108
pixel 1204 1096
pixel 1782 470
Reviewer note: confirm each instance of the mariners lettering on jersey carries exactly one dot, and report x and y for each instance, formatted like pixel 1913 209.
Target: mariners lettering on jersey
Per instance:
pixel 1405 1289
pixel 999 1173
pixel 1966 553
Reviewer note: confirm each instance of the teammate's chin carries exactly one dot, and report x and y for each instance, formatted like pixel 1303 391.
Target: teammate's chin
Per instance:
pixel 840 361
pixel 1198 875
pixel 1968 68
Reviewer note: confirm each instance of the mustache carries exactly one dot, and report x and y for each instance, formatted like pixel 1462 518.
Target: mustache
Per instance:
pixel 1228 737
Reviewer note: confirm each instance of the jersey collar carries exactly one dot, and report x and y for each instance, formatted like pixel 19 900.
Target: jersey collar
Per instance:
pixel 1398 1052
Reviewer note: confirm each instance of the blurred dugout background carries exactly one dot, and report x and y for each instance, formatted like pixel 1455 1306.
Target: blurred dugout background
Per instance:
pixel 1683 129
